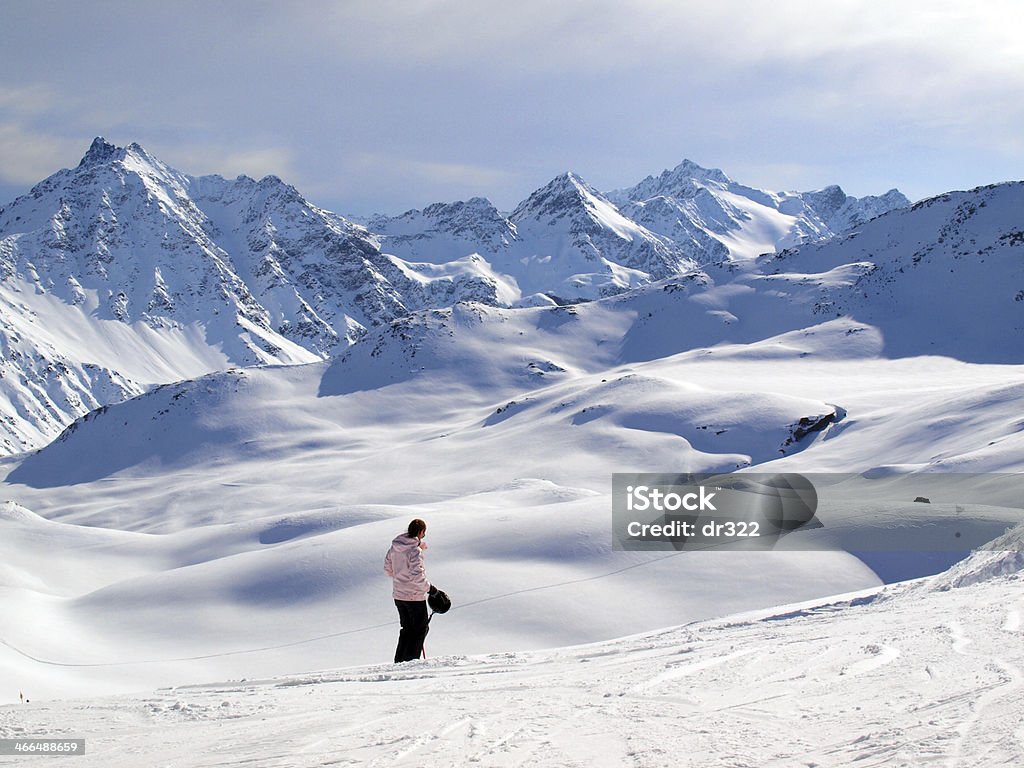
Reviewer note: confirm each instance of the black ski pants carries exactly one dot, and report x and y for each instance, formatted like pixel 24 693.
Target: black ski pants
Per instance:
pixel 412 614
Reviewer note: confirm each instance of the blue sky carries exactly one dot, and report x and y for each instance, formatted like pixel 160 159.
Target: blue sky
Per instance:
pixel 385 106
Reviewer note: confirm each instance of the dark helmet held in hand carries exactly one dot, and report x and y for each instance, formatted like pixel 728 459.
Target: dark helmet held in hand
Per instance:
pixel 438 600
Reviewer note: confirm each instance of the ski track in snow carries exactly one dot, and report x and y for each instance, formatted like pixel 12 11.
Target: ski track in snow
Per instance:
pixel 688 669
pixel 881 656
pixel 991 699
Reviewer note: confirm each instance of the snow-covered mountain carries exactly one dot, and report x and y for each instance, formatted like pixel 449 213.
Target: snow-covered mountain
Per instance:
pixel 569 241
pixel 711 217
pixel 440 230
pixel 569 231
pixel 566 242
pixel 123 273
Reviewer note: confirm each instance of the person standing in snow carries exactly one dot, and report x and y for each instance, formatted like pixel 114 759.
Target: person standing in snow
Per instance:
pixel 404 564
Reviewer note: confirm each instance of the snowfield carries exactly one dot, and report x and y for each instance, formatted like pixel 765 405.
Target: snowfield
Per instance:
pixel 924 673
pixel 233 527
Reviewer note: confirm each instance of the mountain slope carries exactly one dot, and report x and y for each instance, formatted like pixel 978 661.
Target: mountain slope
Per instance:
pixel 123 273
pixel 945 277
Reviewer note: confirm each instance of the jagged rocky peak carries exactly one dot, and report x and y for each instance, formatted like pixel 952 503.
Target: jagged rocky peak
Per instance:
pixel 840 211
pixel 100 151
pixel 827 200
pixel 831 198
pixel 474 205
pixel 691 170
pixel 560 196
pixel 444 231
pixel 685 180
pixel 270 188
pixel 462 215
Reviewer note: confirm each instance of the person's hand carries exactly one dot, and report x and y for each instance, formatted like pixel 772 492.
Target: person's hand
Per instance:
pixel 432 591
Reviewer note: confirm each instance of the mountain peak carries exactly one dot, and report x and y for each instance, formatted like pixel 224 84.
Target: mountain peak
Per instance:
pixel 569 179
pixel 102 151
pixel 568 182
pixel 685 181
pixel 692 170
pixel 99 151
pixel 564 193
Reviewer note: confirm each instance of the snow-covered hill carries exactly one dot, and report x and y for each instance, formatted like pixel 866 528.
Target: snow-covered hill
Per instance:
pixel 944 277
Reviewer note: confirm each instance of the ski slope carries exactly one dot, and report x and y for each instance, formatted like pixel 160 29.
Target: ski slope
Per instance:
pixel 925 673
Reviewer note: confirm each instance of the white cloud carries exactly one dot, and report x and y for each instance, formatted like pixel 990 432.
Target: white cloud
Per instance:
pixel 536 35
pixel 28 156
pixel 447 173
pixel 27 100
pixel 453 97
pixel 228 161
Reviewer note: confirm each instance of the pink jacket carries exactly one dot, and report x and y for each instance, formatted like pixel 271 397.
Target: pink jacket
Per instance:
pixel 404 564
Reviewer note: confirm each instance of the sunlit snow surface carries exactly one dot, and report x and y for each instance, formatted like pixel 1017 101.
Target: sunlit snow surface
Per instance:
pixel 919 674
pixel 232 527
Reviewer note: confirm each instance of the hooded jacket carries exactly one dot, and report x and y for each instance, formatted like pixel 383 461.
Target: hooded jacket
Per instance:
pixel 404 564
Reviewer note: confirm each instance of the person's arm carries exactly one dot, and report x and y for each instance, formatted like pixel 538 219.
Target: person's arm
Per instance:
pixel 418 570
pixel 388 569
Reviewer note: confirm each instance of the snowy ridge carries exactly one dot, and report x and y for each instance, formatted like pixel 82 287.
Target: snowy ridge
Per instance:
pixel 566 242
pixel 134 240
pixel 713 217
pixel 936 278
pixel 443 230
pixel 1001 557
